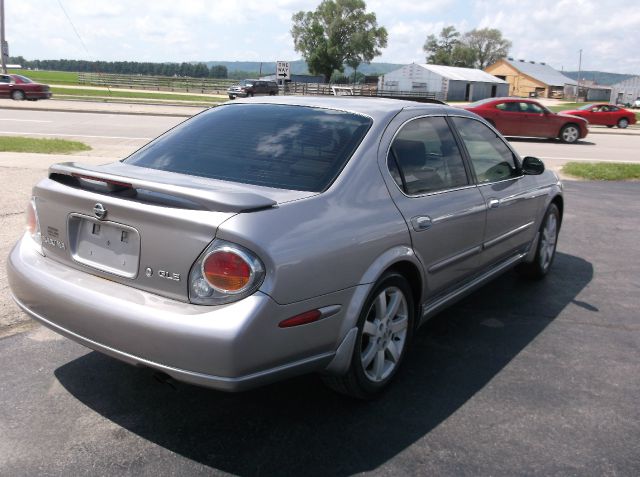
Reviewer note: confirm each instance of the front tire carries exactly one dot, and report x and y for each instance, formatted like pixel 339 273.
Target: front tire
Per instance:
pixel 546 250
pixel 385 328
pixel 17 95
pixel 623 123
pixel 569 133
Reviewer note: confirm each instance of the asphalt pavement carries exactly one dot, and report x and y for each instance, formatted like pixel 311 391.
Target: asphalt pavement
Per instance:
pixel 520 378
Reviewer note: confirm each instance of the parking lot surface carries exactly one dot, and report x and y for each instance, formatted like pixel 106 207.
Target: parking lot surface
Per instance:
pixel 520 378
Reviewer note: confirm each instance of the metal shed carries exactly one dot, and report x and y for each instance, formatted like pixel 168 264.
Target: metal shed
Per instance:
pixel 449 83
pixel 626 92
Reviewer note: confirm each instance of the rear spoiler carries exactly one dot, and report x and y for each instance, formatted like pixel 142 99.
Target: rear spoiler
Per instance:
pixel 218 200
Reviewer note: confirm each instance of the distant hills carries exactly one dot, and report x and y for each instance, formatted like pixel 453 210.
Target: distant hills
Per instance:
pixel 600 77
pixel 298 67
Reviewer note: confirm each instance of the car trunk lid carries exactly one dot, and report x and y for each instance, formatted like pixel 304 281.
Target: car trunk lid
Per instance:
pixel 137 226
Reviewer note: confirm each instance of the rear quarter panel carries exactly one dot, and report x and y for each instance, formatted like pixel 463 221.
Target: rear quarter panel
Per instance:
pixel 328 242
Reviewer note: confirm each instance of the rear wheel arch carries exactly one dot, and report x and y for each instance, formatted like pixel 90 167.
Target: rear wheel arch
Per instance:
pixel 410 271
pixel 559 202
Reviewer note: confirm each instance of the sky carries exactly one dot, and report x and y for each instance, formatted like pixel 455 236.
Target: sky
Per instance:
pixel 552 31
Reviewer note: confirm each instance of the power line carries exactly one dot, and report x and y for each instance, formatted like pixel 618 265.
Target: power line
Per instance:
pixel 74 27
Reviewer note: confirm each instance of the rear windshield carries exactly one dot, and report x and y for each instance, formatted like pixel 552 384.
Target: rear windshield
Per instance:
pixel 286 147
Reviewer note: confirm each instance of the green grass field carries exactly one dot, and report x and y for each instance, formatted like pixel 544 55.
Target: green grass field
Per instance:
pixel 602 171
pixel 42 146
pixel 49 77
pixel 97 93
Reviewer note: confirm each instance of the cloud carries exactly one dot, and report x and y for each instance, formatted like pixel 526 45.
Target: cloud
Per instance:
pixel 553 31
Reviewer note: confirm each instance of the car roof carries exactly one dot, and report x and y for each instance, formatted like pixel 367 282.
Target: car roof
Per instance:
pixel 376 108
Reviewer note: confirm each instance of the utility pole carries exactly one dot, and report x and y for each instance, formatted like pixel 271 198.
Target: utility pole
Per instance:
pixel 3 43
pixel 579 74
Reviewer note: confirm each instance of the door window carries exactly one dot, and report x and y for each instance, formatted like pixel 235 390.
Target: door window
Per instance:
pixel 424 157
pixel 491 158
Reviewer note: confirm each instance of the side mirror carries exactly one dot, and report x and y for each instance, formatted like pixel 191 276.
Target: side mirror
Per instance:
pixel 532 166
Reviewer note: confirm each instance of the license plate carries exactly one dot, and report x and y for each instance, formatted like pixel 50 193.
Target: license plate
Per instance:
pixel 106 246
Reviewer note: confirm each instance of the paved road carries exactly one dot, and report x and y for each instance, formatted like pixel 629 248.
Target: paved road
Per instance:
pixel 520 378
pixel 118 134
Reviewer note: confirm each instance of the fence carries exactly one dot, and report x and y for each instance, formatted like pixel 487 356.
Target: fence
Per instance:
pixel 157 83
pixel 219 86
pixel 357 90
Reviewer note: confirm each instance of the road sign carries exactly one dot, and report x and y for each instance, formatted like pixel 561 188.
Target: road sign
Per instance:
pixel 283 70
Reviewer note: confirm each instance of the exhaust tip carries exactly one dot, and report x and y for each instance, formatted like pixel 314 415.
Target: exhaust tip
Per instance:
pixel 164 378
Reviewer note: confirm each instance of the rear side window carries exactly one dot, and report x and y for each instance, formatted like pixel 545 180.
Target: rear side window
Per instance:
pixel 424 157
pixel 286 147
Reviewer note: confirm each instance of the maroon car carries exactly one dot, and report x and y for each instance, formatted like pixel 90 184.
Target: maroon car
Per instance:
pixel 526 118
pixel 20 87
pixel 604 114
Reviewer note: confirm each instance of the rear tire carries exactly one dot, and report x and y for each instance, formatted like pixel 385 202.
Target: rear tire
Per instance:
pixel 623 123
pixel 18 95
pixel 385 328
pixel 570 133
pixel 547 243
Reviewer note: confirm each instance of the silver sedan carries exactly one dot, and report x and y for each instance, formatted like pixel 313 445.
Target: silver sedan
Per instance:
pixel 264 239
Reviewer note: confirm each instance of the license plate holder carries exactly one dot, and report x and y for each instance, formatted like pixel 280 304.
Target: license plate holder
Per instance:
pixel 108 246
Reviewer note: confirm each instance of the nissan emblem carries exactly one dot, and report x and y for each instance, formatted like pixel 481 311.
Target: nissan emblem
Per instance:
pixel 99 211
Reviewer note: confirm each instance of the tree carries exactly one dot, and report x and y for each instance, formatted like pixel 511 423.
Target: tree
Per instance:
pixel 447 49
pixel 337 32
pixel 474 49
pixel 488 46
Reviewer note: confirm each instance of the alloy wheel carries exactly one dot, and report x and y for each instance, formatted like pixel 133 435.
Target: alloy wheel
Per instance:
pixel 548 241
pixel 570 134
pixel 384 334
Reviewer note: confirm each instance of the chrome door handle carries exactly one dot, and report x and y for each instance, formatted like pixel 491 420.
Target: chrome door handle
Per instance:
pixel 494 203
pixel 421 223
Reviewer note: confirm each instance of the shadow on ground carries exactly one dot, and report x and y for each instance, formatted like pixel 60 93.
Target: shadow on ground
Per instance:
pixel 298 426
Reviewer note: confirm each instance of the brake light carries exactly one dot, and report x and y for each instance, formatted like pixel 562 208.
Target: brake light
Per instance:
pixel 32 219
pixel 33 226
pixel 226 271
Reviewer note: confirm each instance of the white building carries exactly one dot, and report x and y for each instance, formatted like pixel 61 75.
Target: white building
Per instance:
pixel 449 83
pixel 626 91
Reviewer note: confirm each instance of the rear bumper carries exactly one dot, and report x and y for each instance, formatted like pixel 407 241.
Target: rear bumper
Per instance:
pixel 230 347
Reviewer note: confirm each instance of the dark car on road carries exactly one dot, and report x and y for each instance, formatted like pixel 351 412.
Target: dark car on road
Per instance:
pixel 526 118
pixel 20 87
pixel 251 87
pixel 271 237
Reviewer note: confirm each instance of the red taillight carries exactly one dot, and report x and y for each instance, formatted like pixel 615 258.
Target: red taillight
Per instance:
pixel 32 220
pixel 226 271
pixel 301 319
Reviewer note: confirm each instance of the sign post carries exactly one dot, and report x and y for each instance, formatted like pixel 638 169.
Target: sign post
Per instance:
pixel 4 46
pixel 283 71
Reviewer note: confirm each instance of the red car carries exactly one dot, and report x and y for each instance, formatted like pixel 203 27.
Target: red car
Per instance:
pixel 527 118
pixel 604 114
pixel 20 87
